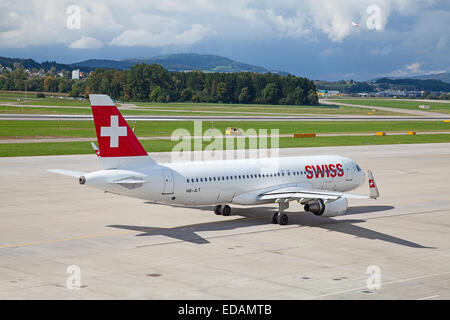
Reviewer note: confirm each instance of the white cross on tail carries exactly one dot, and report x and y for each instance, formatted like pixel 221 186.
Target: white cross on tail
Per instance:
pixel 113 132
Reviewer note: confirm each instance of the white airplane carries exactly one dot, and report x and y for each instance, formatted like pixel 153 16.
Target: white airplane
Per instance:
pixel 317 182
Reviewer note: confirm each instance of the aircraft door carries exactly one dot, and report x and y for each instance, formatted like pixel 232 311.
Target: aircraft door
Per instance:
pixel 349 172
pixel 168 181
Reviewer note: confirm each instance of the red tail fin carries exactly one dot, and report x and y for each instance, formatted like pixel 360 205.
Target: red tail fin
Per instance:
pixel 118 144
pixel 115 138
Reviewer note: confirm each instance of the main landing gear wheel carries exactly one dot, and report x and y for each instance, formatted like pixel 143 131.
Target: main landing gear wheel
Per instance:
pixel 218 210
pixel 275 218
pixel 280 217
pixel 283 219
pixel 226 210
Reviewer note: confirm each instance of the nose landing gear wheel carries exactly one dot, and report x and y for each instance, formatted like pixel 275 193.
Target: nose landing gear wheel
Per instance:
pixel 218 210
pixel 226 210
pixel 283 219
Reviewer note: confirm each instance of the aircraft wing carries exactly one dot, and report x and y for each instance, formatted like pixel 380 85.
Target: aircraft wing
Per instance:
pixel 305 194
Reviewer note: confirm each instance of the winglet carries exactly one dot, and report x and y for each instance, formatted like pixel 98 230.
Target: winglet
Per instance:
pixel 374 193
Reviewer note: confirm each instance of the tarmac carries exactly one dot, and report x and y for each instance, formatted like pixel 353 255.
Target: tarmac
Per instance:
pixel 388 109
pixel 127 248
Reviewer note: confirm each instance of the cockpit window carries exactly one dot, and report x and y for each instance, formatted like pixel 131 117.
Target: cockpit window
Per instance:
pixel 358 168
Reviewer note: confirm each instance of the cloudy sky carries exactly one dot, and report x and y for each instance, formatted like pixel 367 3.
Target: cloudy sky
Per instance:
pixel 313 38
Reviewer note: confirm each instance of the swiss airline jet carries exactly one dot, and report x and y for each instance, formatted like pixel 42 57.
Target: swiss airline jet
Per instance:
pixel 319 183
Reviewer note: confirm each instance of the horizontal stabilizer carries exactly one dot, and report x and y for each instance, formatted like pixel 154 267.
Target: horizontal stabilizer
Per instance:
pixel 70 173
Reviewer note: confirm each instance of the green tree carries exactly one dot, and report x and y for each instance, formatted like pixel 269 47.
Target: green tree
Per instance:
pixel 156 94
pixel 221 92
pixel 270 94
pixel 312 97
pixel 244 96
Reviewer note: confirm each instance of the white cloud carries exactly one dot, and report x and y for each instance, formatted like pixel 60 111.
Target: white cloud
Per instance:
pixel 412 69
pixel 156 23
pixel 381 51
pixel 161 39
pixel 86 43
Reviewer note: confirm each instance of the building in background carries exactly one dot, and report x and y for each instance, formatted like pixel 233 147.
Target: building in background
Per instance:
pixel 76 74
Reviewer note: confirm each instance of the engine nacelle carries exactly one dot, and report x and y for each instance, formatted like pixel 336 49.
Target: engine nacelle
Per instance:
pixel 330 209
pixel 315 206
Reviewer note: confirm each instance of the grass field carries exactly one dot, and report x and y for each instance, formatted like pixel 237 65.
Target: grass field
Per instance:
pixel 322 109
pixel 398 103
pixel 65 148
pixel 53 128
pixel 167 108
pixel 86 110
pixel 55 102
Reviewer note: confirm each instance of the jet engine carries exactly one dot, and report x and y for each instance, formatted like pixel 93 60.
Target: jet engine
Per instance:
pixel 329 209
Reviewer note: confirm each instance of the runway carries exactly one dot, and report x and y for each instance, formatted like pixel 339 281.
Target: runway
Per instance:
pixel 388 109
pixel 346 134
pixel 130 249
pixel 226 118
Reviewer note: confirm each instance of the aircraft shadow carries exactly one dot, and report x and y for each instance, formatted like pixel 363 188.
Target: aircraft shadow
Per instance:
pixel 261 216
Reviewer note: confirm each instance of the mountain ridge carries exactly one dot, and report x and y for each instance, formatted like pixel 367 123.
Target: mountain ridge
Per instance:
pixel 443 76
pixel 179 62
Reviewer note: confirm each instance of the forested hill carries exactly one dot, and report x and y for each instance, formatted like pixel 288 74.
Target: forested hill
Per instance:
pixel 154 83
pixel 32 64
pixel 144 82
pixel 173 62
pixel 414 84
pixel 181 62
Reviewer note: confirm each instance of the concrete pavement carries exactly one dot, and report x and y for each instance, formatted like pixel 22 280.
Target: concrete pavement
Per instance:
pixel 131 249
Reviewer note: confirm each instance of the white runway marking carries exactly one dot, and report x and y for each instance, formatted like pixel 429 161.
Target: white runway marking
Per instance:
pixel 384 284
